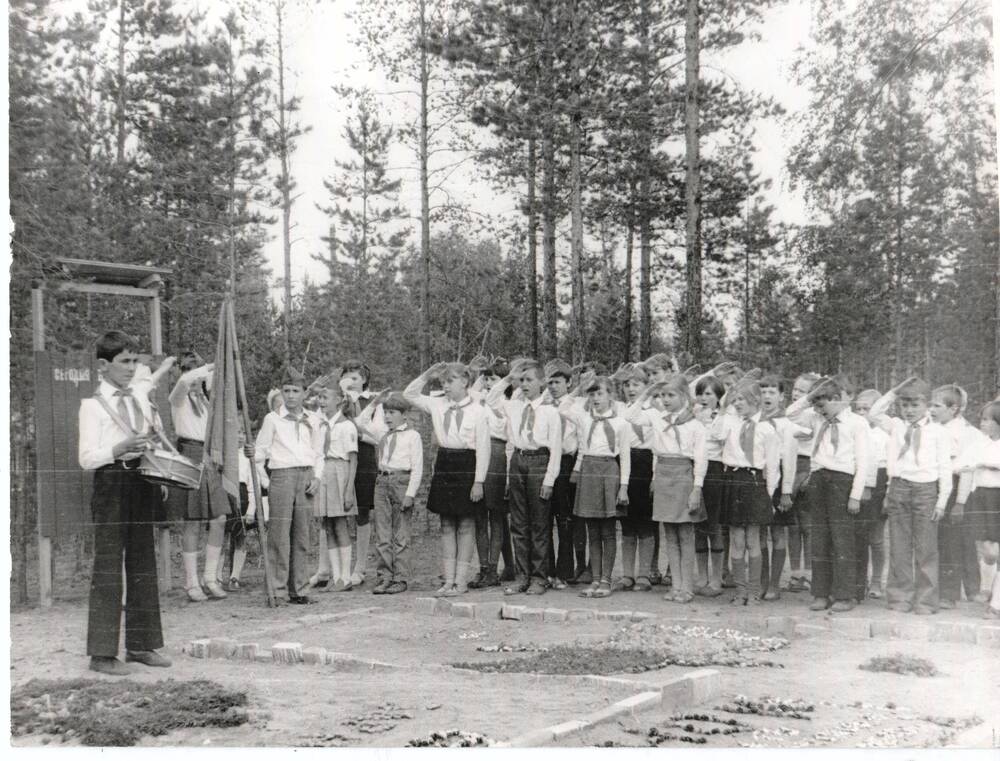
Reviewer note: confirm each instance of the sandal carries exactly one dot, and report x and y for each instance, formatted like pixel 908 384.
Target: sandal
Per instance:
pixel 603 589
pixel 515 589
pixel 624 584
pixel 443 590
pixel 589 591
pixel 642 584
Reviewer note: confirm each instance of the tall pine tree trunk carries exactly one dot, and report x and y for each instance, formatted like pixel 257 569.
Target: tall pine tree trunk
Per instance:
pixel 549 304
pixel 576 242
pixel 285 189
pixel 629 238
pixel 692 180
pixel 425 214
pixel 644 205
pixel 533 245
pixel 897 290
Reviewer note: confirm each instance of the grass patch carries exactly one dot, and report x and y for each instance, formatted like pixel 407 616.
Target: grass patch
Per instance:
pixel 642 647
pixel 899 663
pixel 105 713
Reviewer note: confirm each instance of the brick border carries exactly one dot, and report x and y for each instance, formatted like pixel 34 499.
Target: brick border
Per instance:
pixel 691 689
pixel 790 627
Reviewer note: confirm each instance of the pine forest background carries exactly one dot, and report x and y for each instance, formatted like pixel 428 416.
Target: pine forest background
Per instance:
pixel 146 131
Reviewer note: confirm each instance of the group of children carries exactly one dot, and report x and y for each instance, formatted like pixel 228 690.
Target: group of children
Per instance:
pixel 538 465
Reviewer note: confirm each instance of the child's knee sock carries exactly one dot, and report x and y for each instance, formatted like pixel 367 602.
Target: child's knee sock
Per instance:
pixel 716 577
pixel 701 562
pixel 628 552
pixel 739 574
pixel 190 569
pixel 212 553
pixel 765 560
pixel 609 547
pixel 754 576
pixel 645 547
pixel 654 566
pixel 239 558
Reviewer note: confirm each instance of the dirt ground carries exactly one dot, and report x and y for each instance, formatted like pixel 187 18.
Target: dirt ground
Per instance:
pixel 308 705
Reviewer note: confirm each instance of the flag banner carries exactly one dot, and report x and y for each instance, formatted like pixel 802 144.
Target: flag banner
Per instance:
pixel 222 434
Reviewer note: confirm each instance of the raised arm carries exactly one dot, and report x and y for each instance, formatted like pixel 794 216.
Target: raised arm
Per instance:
pixel 413 393
pixel 188 379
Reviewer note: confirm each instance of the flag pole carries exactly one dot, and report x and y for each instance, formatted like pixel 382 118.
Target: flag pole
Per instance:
pixel 242 402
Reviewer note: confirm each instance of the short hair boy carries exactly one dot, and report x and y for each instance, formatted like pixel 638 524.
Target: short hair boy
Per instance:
pixel 115 429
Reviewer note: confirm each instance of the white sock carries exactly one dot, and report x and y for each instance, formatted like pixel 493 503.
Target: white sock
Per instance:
pixel 344 553
pixel 324 558
pixel 333 558
pixel 239 558
pixel 212 554
pixel 364 536
pixel 190 569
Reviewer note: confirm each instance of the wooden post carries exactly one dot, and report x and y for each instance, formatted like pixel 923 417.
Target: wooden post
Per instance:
pixel 162 532
pixel 44 542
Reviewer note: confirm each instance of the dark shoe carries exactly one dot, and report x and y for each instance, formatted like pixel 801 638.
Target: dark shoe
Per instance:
pixel 147 658
pixel 477 581
pixel 109 666
pixel 947 604
pixel 819 603
pixel 508 575
pixel 842 606
pixel 395 588
pixel 381 587
pixel 535 588
pixel 657 578
pixel 585 577
pixel 233 585
pixel 300 600
pixel 727 581
pixel 491 579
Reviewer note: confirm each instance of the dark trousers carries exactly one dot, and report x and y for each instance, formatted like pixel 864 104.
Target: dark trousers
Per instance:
pixel 530 519
pixel 958 564
pixel 559 561
pixel 913 545
pixel 833 535
pixel 871 513
pixel 122 506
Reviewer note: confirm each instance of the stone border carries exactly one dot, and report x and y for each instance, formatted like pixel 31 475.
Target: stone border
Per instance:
pixel 225 648
pixel 692 689
pixel 789 627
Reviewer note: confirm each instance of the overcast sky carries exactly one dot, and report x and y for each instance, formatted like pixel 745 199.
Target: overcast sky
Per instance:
pixel 322 56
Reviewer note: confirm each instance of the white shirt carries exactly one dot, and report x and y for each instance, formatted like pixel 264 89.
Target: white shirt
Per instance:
pixel 802 414
pixel 457 425
pixel 185 396
pixel 852 454
pixel 288 441
pixel 407 447
pixel 247 478
pixel 785 429
pixel 766 447
pixel 361 399
pixel 984 451
pixel 713 448
pixel 878 441
pixel 594 439
pixel 99 434
pixel 570 436
pixel 496 422
pixel 545 431
pixel 667 439
pixel 963 436
pixel 343 437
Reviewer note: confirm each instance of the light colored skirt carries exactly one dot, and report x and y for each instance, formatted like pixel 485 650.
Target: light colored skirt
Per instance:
pixel 672 491
pixel 334 488
pixel 597 489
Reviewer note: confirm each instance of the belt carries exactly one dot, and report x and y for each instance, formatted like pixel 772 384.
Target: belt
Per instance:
pixel 498 440
pixel 186 440
pixel 328 457
pixel 385 472
pixel 731 469
pixel 533 452
pixel 132 464
pixel 600 457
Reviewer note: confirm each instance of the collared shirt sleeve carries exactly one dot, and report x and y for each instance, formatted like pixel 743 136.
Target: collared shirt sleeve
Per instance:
pixel 943 467
pixel 365 422
pixel 184 383
pixel 416 463
pixel 625 438
pixel 862 456
pixel 635 413
pixel 495 397
pixel 412 394
pixel 789 454
pixel 772 460
pixel 879 413
pixel 553 427
pixel 92 453
pixel 317 439
pixel 482 446
pixel 700 447
pixel 265 437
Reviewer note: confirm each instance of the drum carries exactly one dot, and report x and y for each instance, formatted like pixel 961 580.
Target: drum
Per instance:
pixel 167 468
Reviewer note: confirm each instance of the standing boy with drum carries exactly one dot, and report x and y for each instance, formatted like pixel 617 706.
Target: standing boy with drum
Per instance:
pixel 115 429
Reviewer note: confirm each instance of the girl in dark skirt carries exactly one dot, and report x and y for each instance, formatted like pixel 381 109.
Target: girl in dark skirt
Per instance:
pixel 463 459
pixel 638 527
pixel 602 479
pixel 751 452
pixel 708 534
